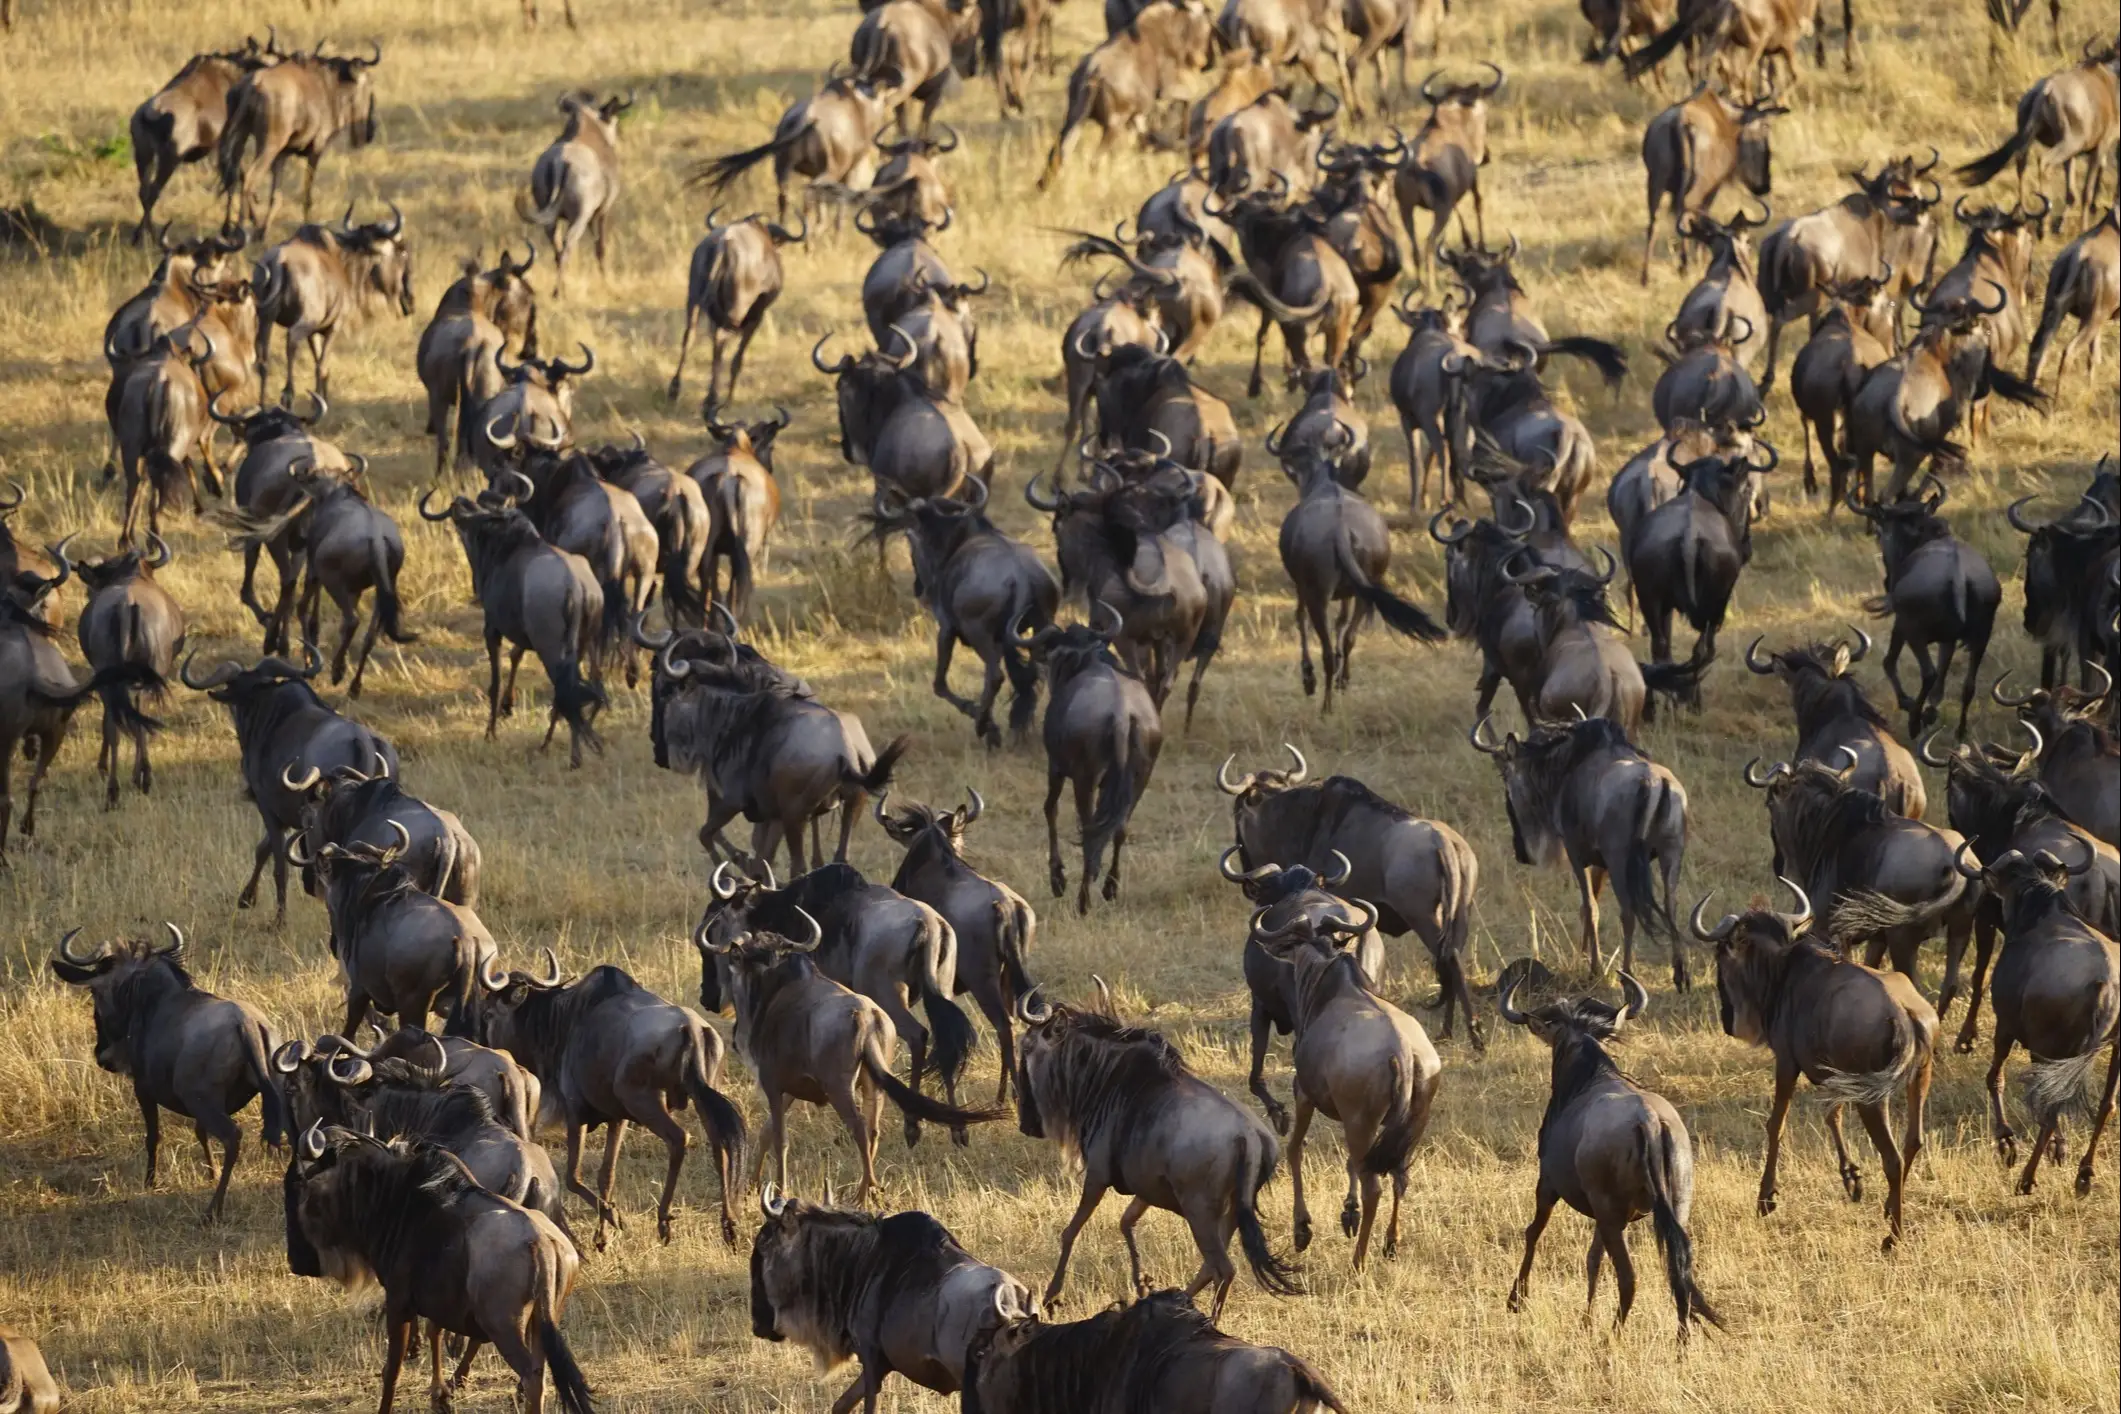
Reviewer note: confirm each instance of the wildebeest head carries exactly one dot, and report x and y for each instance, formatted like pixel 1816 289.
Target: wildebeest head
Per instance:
pixel 1535 770
pixel 380 257
pixel 1749 946
pixel 330 1081
pixel 1070 1061
pixel 352 90
pixel 119 979
pixel 1905 525
pixel 738 961
pixel 1987 788
pixel 1562 594
pixel 870 388
pixel 1256 786
pixel 236 686
pixel 340 1184
pixel 268 421
pixel 1067 649
pixel 2059 558
pixel 126 565
pixel 756 437
pixel 1573 1020
pixel 508 1007
pixel 2053 713
pixel 2027 885
pixel 1817 675
pixel 907 824
pixel 1755 156
pixel 1270 883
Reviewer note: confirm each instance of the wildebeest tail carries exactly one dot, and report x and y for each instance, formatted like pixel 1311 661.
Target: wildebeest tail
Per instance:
pixel 275 1124
pixel 1877 1087
pixel 567 1382
pixel 684 598
pixel 388 607
pixel 2060 276
pixel 1312 1391
pixel 1246 286
pixel 1014 926
pixel 2052 1086
pixel 722 1120
pixel 574 696
pixel 1275 1275
pixel 1985 167
pixel 879 775
pixel 717 174
pixel 1677 683
pixel 268 283
pixel 1402 616
pixel 1672 1238
pixel 1022 672
pixel 1601 354
pixel 950 1031
pixel 1635 885
pixel 1705 20
pixel 153 132
pixel 548 215
pixel 1389 1151
pixel 1863 913
pixel 1115 800
pixel 2011 388
pixel 115 685
pixel 912 1102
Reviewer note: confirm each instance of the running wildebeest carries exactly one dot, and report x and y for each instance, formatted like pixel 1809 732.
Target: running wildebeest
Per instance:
pixel 2080 762
pixel 128 619
pixel 576 180
pixel 186 1050
pixel 1611 1150
pixel 514 1094
pixel 1120 84
pixel 323 278
pixel 1443 163
pixel 348 806
pixel 483 316
pixel 1852 333
pixel 742 500
pixel 1142 1123
pixel 1686 555
pixel 1833 714
pixel 2084 283
pixel 826 138
pixel 1856 1033
pixel 295 108
pixel 735 278
pixel 676 507
pixel 2063 559
pixel 1940 592
pixel 2071 113
pixel 1697 147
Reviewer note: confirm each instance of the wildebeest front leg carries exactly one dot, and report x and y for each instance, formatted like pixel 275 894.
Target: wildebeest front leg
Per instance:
pixel 1590 880
pixel 2105 1112
pixel 397 1336
pixel 493 682
pixel 1778 1112
pixel 607 1180
pixel 1543 1200
pixel 1093 1194
pixel 1851 1176
pixel 1999 1127
pixel 151 1125
pixel 1259 350
pixel 1300 1221
pixel 677 375
pixel 249 896
pixel 1136 1210
pixel 1056 871
pixel 1304 619
pixel 1277 1113
pixel 574 1179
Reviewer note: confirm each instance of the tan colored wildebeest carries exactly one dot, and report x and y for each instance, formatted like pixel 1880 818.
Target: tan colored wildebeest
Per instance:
pixel 735 278
pixel 183 121
pixel 1697 147
pixel 1120 84
pixel 293 109
pixel 576 180
pixel 2084 283
pixel 1305 33
pixel 26 1385
pixel 324 278
pixel 2072 113
pixel 826 138
pixel 1442 166
pixel 482 316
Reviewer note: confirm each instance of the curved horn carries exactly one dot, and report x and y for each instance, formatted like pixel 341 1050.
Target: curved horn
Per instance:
pixel 772 1202
pixel 68 955
pixel 228 670
pixel 1720 933
pixel 1863 645
pixel 1503 1005
pixel 313 1142
pixel 1636 999
pixel 1800 920
pixel 829 370
pixel 1465 528
pixel 1340 874
pixel 1483 736
pixel 356 1072
pixel 1242 876
pixel 158 551
pixel 551 978
pixel 817 932
pixel 1298 773
pixel 1119 621
pixel 1350 927
pixel 1033 1009
pixel 301 787
pixel 1758 779
pixel 1753 659
pixel 288 1058
pixel 1228 786
pixel 1925 750
pixel 974 807
pixel 425 514
pixel 1959 861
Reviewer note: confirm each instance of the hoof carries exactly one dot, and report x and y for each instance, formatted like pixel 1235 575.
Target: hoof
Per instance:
pixel 2083 1186
pixel 1516 1301
pixel 913 1133
pixel 961 1137
pixel 1350 1219
pixel 662 1231
pixel 1303 1234
pixel 1111 889
pixel 1279 1118
pixel 728 1231
pixel 2007 1149
pixel 1764 1207
pixel 1852 1183
pixel 1059 880
pixel 2025 1185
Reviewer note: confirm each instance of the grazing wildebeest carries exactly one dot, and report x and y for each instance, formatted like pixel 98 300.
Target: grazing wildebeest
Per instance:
pixel 2085 284
pixel 2063 559
pixel 1581 791
pixel 762 747
pixel 1442 166
pixel 1420 875
pixel 2057 990
pixel 1361 1062
pixel 26 1385
pixel 898 1294
pixel 1120 84
pixel 534 596
pixel 735 278
pixel 977 583
pixel 743 504
pixel 187 1051
pixel 2071 113
pixel 826 138
pixel 2080 762
pixel 1611 1150
pixel 1158 1353
pixel 609 1052
pixel 1833 714
pixel 283 730
pixel 410 1218
pixel 1102 735
pixel 1697 147
pixel 351 807
pixel 183 121
pixel 324 277
pixel 1879 879
pixel 128 619
pixel 1940 592
pixel 480 318
pixel 994 924
pixel 1853 334
pixel 1856 1033
pixel 806 1037
pixel 294 108
pixel 514 1094
pixel 575 182
pixel 1686 555
pixel 159 423
pixel 1122 1102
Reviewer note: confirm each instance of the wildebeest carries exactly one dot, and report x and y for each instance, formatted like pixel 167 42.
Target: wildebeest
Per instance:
pixel 1442 165
pixel 1582 792
pixel 676 508
pixel 1940 592
pixel 735 278
pixel 1851 335
pixel 294 108
pixel 158 419
pixel 1120 84
pixel 1269 143
pixel 2064 559
pixel 411 1218
pixel 1687 554
pixel 283 730
pixel 826 137
pixel 609 1052
pixel 1102 735
pixel 1378 25
pixel 742 501
pixel 2080 763
pixel 995 927
pixel 1123 1103
pixel 575 182
pixel 1157 1353
pixel 532 412
pixel 183 282
pixel 1833 713
pixel 513 1092
pixel 1297 278
pixel 26 1385
pixel 1610 1149
pixel 1418 874
pixel 2085 284
pixel 1704 379
pixel 578 511
pixel 352 548
pixel 897 1294
pixel 910 183
pixel 324 277
pixel 1286 32
pixel 1148 402
pixel 480 318
pixel 128 619
pixel 278 444
pixel 1328 425
pixel 1429 400
pixel 1361 1062
pixel 183 121
pixel 186 1050
pixel 762 747
pixel 2071 113
pixel 534 596
pixel 349 806
pixel 1856 1033
pixel 909 436
pixel 1127 318
pixel 2057 989
pixel 1698 146
pixel 1650 478
pixel 908 45
pixel 1725 305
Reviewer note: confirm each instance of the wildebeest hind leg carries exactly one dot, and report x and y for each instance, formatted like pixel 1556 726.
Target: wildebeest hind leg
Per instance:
pixel 220 1127
pixel 2106 1112
pixel 1057 871
pixel 1615 1237
pixel 1212 1230
pixel 1590 881
pixel 1300 1215
pixel 1593 1268
pixel 1851 1175
pixel 1136 1210
pixel 2050 1131
pixel 658 1120
pixel 1544 1200
pixel 1874 1121
pixel 852 1110
pixel 249 896
pixel 1277 1113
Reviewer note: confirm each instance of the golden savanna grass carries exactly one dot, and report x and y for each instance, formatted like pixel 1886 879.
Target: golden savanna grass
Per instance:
pixel 1993 1301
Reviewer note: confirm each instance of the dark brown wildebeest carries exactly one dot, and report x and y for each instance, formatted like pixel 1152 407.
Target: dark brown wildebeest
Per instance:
pixel 575 182
pixel 350 808
pixel 995 927
pixel 1856 1033
pixel 806 1037
pixel 1882 880
pixel 906 46
pixel 1328 425
pixel 1613 22
pixel 1442 166
pixel 1725 304
pixel 676 508
pixel 1359 225
pixel 183 121
pixel 513 1092
pixel 1129 317
pixel 26 1385
pixel 826 138
pixel 977 583
pixel 2085 284
pixel 1148 402
pixel 128 619
pixel 1851 335
pixel 1124 1102
pixel 283 730
pixel 1744 38
pixel 1998 256
pixel 2080 762
pixel 2057 990
pixel 1502 323
pixel 1940 592
pixel 1697 147
pixel 1834 714
pixel 735 278
pixel 743 504
pixel 186 1050
pixel 295 108
pixel 1687 554
pixel 897 1294
pixel 1583 793
pixel 609 1052
pixel 2063 560
pixel 158 420
pixel 352 547
pixel 1269 144
pixel 411 1218
pixel 1550 631
pixel 1102 735
pixel 481 317
pixel 1611 1150
pixel 911 438
pixel 1705 379
pixel 532 412
pixel 578 511
pixel 534 596
pixel 1297 278
pixel 2071 113
pixel 1120 84
pixel 1421 875
pixel 324 277
pixel 277 444
pixel 1361 1062
pixel 1650 477
pixel 1157 1353
pixel 14 555
pixel 1429 400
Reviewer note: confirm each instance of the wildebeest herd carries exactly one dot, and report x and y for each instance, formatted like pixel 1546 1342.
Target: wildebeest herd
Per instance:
pixel 414 1155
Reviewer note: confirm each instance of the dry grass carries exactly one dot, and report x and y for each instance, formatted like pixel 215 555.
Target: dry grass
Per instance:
pixel 1993 1301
